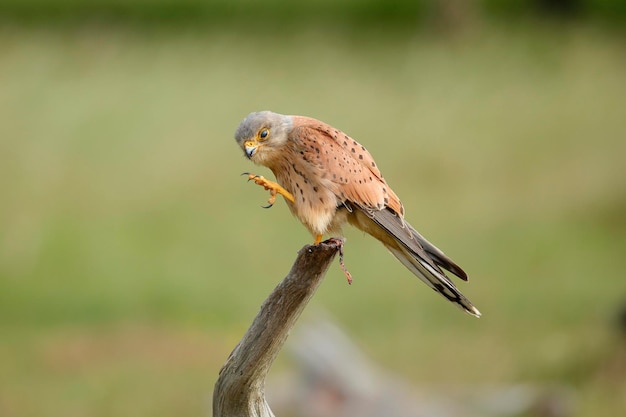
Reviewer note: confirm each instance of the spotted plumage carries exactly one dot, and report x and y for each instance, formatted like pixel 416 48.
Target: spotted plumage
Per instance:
pixel 328 179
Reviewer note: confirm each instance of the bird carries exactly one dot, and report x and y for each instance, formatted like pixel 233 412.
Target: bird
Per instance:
pixel 328 179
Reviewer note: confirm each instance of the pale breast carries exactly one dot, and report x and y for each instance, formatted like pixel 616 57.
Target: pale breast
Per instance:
pixel 315 204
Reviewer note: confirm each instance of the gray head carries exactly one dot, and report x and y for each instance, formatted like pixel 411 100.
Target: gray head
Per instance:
pixel 262 134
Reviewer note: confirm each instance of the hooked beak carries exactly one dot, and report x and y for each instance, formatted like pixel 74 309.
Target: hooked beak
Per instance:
pixel 250 148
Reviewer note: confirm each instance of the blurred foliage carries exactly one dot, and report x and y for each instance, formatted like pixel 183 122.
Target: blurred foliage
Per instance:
pixel 607 9
pixel 217 11
pixel 377 12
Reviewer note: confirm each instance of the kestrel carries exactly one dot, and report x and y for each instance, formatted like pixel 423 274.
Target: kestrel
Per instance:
pixel 327 179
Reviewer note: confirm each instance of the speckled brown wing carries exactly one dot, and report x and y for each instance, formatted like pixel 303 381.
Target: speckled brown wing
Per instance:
pixel 346 165
pixel 348 169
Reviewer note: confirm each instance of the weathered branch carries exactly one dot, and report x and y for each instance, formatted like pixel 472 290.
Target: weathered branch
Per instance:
pixel 239 390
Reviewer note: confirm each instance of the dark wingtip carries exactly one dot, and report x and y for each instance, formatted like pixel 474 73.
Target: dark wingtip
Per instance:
pixel 456 270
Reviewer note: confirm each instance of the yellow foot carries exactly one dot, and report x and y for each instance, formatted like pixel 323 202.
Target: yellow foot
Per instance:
pixel 318 239
pixel 273 187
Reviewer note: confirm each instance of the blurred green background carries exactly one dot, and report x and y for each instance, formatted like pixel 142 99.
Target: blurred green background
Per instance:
pixel 133 256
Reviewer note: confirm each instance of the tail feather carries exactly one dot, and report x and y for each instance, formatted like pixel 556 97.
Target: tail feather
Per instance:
pixel 420 256
pixel 437 255
pixel 438 282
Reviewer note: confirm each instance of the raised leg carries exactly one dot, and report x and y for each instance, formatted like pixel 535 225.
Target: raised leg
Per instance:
pixel 273 187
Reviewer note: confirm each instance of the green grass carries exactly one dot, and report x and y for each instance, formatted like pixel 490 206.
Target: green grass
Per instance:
pixel 133 255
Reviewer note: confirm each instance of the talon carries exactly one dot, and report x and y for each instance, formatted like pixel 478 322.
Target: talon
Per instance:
pixel 271 200
pixel 273 187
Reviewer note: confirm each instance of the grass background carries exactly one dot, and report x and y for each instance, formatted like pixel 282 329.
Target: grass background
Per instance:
pixel 133 256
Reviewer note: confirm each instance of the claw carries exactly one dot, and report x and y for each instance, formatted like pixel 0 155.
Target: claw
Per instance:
pixel 251 176
pixel 272 187
pixel 271 200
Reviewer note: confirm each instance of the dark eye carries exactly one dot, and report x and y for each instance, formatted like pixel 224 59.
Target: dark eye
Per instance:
pixel 264 133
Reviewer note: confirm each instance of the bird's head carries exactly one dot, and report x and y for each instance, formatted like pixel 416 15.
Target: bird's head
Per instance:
pixel 261 135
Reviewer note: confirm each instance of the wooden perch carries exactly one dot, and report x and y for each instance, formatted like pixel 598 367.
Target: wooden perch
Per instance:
pixel 239 390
